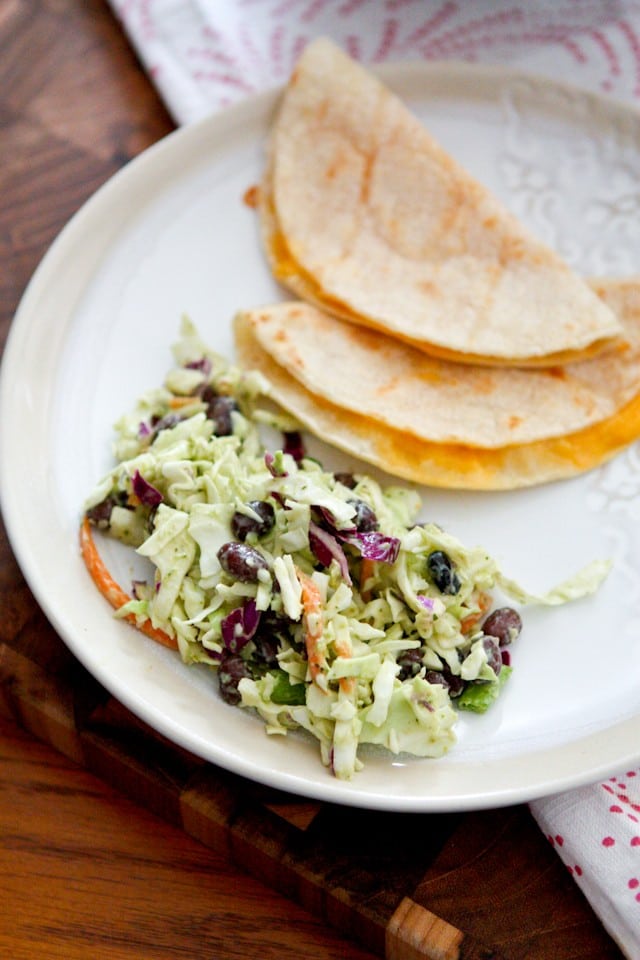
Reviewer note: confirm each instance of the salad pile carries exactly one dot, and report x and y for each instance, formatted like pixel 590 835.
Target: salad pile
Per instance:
pixel 316 597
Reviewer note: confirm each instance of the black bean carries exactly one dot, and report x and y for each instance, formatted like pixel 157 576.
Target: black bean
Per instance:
pixel 100 513
pixel 206 392
pixel 275 624
pixel 410 663
pixel 163 423
pixel 268 639
pixel 504 624
pixel 494 657
pixel 294 445
pixel 242 525
pixel 266 650
pixel 442 572
pixel 241 561
pixel 365 519
pixel 455 685
pixel 231 671
pixel 346 479
pixel 219 410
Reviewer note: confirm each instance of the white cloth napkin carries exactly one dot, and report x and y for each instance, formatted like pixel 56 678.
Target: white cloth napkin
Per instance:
pixel 206 54
pixel 596 832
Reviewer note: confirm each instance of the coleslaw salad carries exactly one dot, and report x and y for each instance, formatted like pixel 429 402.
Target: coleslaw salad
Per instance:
pixel 318 598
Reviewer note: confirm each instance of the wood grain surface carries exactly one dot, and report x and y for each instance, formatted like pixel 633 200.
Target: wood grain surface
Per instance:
pixel 113 842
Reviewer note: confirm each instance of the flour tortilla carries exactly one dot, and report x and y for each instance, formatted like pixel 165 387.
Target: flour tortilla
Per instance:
pixel 363 213
pixel 450 465
pixel 377 376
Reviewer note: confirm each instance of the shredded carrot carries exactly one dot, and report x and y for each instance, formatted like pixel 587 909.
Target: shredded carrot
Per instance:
pixel 312 619
pixel 367 572
pixel 347 684
pixel 468 623
pixel 111 591
pixel 177 402
pixel 312 616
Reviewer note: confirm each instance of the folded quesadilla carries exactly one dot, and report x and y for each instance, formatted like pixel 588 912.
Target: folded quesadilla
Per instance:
pixel 364 214
pixel 444 424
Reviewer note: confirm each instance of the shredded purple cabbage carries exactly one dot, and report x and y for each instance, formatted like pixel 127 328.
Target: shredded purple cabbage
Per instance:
pixel 145 491
pixel 137 589
pixel 374 545
pixel 330 521
pixel 239 626
pixel 427 602
pixel 269 460
pixel 326 548
pixel 204 364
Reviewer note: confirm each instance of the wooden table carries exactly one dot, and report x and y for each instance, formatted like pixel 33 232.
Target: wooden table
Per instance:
pixel 85 870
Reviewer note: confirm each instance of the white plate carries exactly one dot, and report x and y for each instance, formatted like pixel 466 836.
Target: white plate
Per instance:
pixel 170 234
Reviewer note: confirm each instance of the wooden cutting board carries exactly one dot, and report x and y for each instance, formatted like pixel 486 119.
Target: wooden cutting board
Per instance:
pixel 407 886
